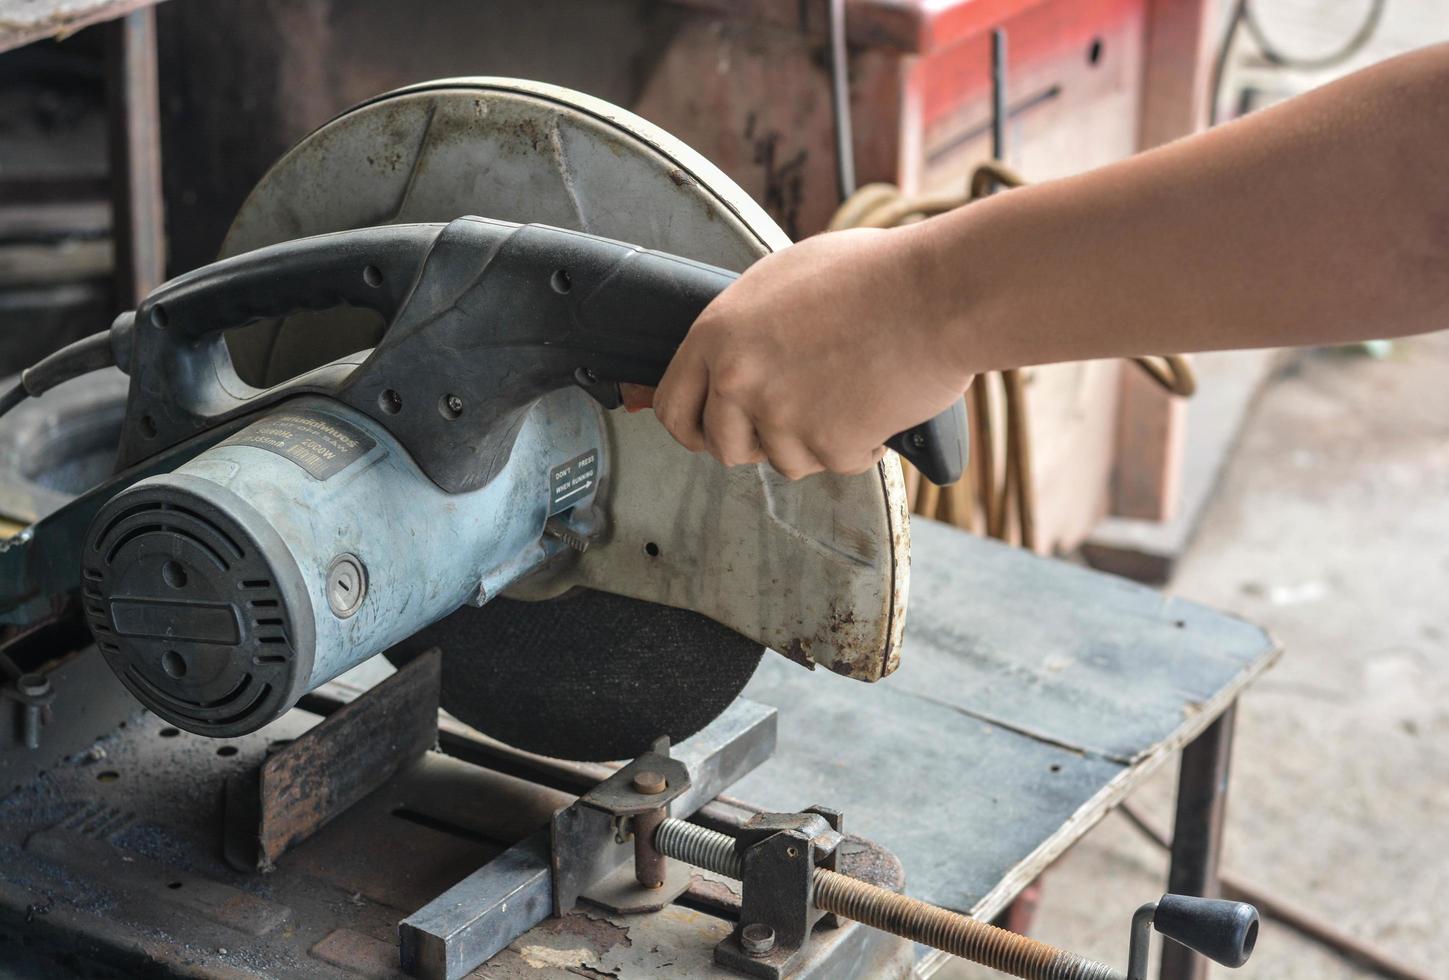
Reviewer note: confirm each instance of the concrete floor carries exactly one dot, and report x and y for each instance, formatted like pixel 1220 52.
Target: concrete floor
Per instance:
pixel 1332 530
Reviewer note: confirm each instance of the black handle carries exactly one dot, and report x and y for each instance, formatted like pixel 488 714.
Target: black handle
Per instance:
pixel 491 312
pixel 1223 931
pixel 369 267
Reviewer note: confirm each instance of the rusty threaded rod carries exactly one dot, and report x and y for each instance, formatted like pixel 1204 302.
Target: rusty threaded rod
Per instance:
pixel 909 918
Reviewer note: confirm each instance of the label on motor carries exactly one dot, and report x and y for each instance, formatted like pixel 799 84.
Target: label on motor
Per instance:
pixel 572 481
pixel 323 445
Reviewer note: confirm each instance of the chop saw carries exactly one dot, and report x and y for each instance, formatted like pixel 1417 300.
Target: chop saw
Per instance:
pixel 386 421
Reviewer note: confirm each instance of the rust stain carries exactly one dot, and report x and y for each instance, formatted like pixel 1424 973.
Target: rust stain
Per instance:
pixel 680 178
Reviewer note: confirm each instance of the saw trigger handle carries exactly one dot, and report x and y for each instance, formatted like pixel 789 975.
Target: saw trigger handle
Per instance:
pixel 938 446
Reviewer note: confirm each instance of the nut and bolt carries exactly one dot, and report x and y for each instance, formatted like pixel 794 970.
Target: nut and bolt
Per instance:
pixel 757 939
pixel 35 692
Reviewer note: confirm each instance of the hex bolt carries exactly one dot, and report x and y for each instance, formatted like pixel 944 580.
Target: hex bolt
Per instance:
pixel 881 908
pixel 757 939
pixel 34 693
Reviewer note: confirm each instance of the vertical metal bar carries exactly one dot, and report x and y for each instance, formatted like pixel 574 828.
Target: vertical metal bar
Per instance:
pixel 1197 836
pixel 998 94
pixel 840 101
pixel 134 105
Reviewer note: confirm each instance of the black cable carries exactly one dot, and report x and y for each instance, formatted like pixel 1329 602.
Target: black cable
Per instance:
pixel 1333 59
pixel 13 397
pixel 1220 63
pixel 1243 16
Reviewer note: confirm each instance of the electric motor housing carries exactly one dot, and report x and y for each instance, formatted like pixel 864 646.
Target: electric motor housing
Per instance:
pixel 304 544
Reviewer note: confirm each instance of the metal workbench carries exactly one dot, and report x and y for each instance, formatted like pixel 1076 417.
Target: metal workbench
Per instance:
pixel 1033 696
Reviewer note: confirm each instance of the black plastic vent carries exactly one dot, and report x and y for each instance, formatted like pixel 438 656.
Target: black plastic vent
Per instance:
pixel 185 607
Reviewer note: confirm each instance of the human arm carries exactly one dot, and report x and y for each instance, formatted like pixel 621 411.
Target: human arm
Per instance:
pixel 1322 220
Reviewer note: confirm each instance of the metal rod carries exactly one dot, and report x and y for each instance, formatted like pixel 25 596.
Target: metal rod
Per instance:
pixel 840 101
pixel 999 114
pixel 900 915
pixel 133 94
pixel 1141 947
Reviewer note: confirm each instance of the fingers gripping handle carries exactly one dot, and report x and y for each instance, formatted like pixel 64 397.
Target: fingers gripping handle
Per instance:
pixel 662 295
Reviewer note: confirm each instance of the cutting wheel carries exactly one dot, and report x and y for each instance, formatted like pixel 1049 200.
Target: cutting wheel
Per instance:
pixel 626 643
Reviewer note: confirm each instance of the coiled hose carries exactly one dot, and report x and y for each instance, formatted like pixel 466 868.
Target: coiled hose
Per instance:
pixel 998 498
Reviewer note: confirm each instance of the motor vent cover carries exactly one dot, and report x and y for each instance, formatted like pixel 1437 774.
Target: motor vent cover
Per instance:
pixel 208 627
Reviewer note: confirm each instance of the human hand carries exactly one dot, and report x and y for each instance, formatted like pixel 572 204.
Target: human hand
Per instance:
pixel 812 359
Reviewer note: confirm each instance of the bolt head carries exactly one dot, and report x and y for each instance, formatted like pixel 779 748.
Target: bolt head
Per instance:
pixel 649 782
pixel 757 939
pixel 33 685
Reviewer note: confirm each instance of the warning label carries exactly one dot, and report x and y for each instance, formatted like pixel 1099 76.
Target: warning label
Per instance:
pixel 573 481
pixel 323 445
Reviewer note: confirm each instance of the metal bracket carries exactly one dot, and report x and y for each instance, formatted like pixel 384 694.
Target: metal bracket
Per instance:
pixel 779 853
pixel 483 913
pixel 592 838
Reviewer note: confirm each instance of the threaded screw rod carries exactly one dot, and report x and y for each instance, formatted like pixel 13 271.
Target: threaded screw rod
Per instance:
pixel 909 918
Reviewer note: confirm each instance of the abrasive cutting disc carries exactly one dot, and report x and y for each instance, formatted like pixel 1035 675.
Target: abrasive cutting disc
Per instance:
pixel 659 625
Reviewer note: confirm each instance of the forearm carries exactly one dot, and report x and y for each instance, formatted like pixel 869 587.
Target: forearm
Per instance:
pixel 1323 220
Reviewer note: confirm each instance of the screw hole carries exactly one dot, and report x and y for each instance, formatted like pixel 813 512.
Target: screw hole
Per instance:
pixel 585 377
pixel 1094 51
pixel 169 732
pixel 173 663
pixel 372 275
pixel 1056 767
pixel 450 406
pixel 174 574
pixel 389 401
pixel 227 751
pixel 792 852
pixel 108 776
pixel 148 427
pixel 1181 624
pixel 561 282
pixel 174 885
pixel 159 316
pixel 651 549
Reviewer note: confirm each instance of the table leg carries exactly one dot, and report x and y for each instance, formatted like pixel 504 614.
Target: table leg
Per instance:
pixel 134 108
pixel 1197 836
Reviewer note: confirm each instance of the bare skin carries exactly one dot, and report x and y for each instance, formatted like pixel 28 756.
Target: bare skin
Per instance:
pixel 1322 220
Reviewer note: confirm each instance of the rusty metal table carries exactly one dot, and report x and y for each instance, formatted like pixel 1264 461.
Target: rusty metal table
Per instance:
pixel 1033 696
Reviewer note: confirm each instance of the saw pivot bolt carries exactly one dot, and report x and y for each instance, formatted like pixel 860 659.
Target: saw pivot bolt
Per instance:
pixel 450 406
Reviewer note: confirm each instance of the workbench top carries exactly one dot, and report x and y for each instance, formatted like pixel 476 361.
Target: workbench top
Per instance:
pixel 1033 695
